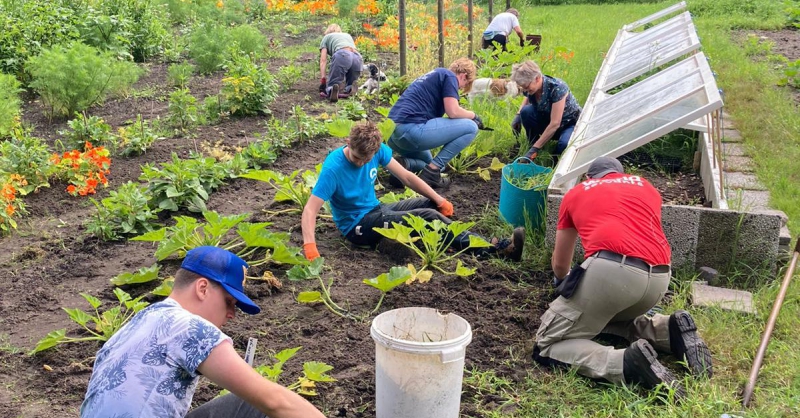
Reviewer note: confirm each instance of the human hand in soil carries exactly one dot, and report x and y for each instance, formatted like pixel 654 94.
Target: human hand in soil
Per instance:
pixel 445 208
pixel 478 121
pixel 310 251
pixel 322 84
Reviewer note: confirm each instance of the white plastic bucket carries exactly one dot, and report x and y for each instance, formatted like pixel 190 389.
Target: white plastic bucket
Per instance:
pixel 419 363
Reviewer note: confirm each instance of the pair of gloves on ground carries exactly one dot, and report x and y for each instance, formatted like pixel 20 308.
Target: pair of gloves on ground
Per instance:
pixel 310 248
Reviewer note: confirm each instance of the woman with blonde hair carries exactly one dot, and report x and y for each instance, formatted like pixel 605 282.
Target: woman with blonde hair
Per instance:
pixel 421 127
pixel 549 109
pixel 346 63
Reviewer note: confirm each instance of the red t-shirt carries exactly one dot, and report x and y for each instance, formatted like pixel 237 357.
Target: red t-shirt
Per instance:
pixel 619 213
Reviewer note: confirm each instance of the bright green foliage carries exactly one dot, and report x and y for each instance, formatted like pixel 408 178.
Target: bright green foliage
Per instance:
pixel 287 188
pixel 249 40
pixel 392 197
pixel 340 128
pixel 143 275
pixel 106 323
pixel 29 157
pixel 393 87
pixel 430 241
pixel 791 75
pixel 183 183
pixel 288 75
pixel 306 271
pixel 313 372
pixel 91 129
pixel 125 211
pixel 247 88
pixel 136 138
pixel 106 32
pixel 212 110
pixel 260 154
pixel 188 233
pixel 385 283
pixel 9 103
pixel 468 158
pixel 352 110
pixel 208 46
pixel 179 75
pixel 147 26
pixel 386 127
pixel 182 110
pixel 71 79
pixel 305 127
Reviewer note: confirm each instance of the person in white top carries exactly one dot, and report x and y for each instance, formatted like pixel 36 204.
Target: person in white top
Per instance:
pixel 500 28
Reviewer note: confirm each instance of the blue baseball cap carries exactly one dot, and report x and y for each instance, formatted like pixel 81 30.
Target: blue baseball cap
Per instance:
pixel 225 268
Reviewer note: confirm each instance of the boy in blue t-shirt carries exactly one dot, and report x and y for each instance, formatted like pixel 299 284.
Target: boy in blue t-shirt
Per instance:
pixel 347 181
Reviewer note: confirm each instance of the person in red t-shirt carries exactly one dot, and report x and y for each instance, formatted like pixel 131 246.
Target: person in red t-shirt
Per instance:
pixel 625 273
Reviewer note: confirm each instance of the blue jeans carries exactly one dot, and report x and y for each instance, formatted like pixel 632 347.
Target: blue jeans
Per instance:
pixel 536 122
pixel 345 66
pixel 415 140
pixel 229 406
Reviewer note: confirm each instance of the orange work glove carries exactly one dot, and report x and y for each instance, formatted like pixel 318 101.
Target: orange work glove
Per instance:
pixel 445 208
pixel 310 250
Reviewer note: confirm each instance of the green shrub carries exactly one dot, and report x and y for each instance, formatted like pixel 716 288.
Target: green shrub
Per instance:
pixel 249 39
pixel 125 211
pixel 27 156
pixel 208 46
pixel 106 32
pixel 83 129
pixel 9 103
pixel 346 7
pixel 182 110
pixel 183 184
pixel 136 138
pixel 212 110
pixel 180 74
pixel 71 79
pixel 288 75
pixel 247 88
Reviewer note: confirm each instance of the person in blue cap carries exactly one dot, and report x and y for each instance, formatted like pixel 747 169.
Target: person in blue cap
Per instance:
pixel 151 366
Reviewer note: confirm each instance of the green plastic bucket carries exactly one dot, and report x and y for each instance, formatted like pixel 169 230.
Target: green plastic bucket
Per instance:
pixel 517 203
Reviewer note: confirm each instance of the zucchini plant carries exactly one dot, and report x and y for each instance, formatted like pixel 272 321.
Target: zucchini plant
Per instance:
pixel 288 188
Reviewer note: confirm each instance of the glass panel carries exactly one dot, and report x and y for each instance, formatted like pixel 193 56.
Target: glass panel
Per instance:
pixel 629 136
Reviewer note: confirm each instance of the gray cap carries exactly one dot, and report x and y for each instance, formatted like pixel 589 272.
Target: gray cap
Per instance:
pixel 602 166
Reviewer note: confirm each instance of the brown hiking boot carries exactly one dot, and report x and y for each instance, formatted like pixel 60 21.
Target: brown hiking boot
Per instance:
pixel 687 345
pixel 334 96
pixel 434 178
pixel 511 248
pixel 640 365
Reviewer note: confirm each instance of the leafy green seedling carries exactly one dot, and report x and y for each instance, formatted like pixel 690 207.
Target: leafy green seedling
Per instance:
pixel 306 272
pixel 430 241
pixel 106 323
pixel 392 197
pixel 313 373
pixel 143 275
pixel 287 188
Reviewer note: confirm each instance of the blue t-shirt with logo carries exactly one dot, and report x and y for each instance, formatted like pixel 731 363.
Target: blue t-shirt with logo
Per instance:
pixel 149 367
pixel 350 189
pixel 424 98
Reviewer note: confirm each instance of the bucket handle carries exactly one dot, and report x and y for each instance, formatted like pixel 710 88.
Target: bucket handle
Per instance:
pixel 529 161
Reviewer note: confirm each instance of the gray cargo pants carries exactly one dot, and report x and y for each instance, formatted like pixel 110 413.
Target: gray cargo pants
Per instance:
pixel 611 298
pixel 228 406
pixel 345 66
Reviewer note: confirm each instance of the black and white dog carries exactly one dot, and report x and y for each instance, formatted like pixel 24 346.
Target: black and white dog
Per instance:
pixel 372 85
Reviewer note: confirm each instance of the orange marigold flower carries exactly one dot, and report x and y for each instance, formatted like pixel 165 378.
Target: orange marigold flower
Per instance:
pixel 10 210
pixel 8 192
pixel 71 189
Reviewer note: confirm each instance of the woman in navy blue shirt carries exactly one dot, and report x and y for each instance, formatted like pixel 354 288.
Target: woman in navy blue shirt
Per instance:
pixel 549 109
pixel 421 126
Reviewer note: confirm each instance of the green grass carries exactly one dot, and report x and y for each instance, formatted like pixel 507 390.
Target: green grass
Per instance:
pixel 770 123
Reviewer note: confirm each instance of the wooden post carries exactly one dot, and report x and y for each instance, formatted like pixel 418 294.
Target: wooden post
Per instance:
pixel 491 15
pixel 401 23
pixel 508 6
pixel 440 7
pixel 471 29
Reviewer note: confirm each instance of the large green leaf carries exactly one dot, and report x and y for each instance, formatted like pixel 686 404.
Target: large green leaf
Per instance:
pixel 217 226
pixel 287 255
pixel 464 271
pixel 339 128
pixel 79 316
pixel 388 281
pixel 49 341
pixel 256 235
pixel 154 236
pixel 478 242
pixel 284 355
pixel 165 288
pixel 143 275
pixel 260 175
pixel 92 300
pixel 308 271
pixel 386 127
pixel 317 371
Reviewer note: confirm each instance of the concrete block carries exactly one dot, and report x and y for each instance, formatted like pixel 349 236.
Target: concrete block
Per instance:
pixel 756 201
pixel 731 241
pixel 727 121
pixel 732 148
pixel 729 299
pixel 785 237
pixel 681 225
pixel 731 135
pixel 747 181
pixel 737 163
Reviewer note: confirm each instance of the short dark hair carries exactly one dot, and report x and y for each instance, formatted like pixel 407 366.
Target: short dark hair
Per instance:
pixel 365 138
pixel 184 278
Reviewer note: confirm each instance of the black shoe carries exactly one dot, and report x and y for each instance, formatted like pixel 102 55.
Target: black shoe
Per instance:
pixel 512 248
pixel 334 96
pixel 640 365
pixel 434 178
pixel 547 361
pixel 687 345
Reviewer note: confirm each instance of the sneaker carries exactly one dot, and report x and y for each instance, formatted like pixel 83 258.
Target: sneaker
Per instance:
pixel 434 178
pixel 394 181
pixel 687 345
pixel 640 365
pixel 512 248
pixel 334 96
